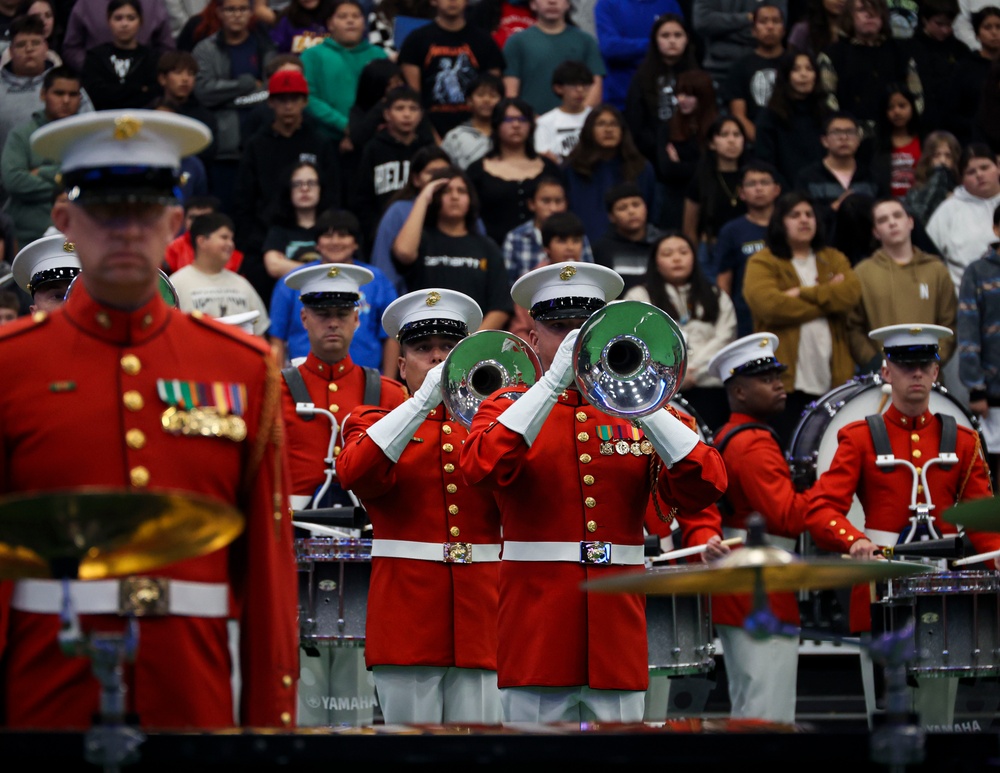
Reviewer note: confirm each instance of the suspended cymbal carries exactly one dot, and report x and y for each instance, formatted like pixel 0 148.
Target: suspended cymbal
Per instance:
pixel 978 515
pixel 778 569
pixel 92 533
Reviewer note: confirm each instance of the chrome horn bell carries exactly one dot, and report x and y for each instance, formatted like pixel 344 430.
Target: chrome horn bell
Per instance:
pixel 480 365
pixel 630 359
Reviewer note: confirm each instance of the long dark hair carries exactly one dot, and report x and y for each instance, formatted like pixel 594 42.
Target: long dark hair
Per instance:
pixel 703 297
pixel 696 83
pixel 496 119
pixel 434 208
pixel 821 33
pixel 303 17
pixel 418 163
pixel 284 213
pixel 883 129
pixel 777 236
pixel 783 100
pixel 713 199
pixel 653 71
pixel 587 153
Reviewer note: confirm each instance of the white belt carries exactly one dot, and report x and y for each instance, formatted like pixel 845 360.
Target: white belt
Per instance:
pixel 139 596
pixel 577 552
pixel 882 538
pixel 447 552
pixel 785 543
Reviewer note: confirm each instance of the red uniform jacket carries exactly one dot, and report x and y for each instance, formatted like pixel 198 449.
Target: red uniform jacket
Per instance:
pixel 885 496
pixel 425 613
pixel 759 481
pixel 338 388
pixel 80 406
pixel 564 489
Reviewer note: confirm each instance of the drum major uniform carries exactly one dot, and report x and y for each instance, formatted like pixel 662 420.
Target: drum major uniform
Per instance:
pixel 146 398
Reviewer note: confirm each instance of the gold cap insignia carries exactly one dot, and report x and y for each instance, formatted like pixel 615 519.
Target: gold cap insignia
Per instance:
pixel 567 273
pixel 68 247
pixel 915 330
pixel 433 298
pixel 763 343
pixel 126 127
pixel 334 271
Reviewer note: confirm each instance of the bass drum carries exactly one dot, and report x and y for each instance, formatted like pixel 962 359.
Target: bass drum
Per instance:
pixel 814 441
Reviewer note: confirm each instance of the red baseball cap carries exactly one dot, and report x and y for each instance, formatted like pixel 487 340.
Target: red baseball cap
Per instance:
pixel 288 82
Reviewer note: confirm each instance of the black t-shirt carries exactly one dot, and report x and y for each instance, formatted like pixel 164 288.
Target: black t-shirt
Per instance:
pixel 449 62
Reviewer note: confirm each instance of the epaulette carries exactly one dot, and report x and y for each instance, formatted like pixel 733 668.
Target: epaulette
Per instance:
pixel 24 324
pixel 230 331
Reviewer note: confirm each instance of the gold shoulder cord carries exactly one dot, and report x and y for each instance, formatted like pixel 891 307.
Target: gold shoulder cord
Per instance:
pixel 977 455
pixel 655 465
pixel 269 431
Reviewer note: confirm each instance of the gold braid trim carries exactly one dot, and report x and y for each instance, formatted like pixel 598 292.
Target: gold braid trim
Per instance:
pixel 269 430
pixel 976 455
pixel 655 465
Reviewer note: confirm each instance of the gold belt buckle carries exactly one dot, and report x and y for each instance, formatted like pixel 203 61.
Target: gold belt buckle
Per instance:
pixel 595 552
pixel 458 552
pixel 144 596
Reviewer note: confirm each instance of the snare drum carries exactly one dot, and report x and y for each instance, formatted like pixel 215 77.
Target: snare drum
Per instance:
pixel 814 442
pixel 334 575
pixel 679 629
pixel 956 621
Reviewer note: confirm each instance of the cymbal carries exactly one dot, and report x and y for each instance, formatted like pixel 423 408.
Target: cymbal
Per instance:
pixel 92 533
pixel 738 572
pixel 978 515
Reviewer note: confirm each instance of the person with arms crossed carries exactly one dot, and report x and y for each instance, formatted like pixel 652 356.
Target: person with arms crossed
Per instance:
pixel 443 592
pixel 567 654
pixel 880 459
pixel 118 361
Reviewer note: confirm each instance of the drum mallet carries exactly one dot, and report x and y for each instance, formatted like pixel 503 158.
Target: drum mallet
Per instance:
pixel 976 558
pixel 693 551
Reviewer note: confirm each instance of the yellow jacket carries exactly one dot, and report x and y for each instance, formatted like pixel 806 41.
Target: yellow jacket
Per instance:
pixel 764 284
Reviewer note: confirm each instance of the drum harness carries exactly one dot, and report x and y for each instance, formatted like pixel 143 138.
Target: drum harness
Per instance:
pixel 725 506
pixel 921 522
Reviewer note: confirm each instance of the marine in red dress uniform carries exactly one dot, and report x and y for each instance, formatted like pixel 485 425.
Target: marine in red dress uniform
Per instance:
pixel 111 392
pixel 330 296
pixel 436 540
pixel 573 483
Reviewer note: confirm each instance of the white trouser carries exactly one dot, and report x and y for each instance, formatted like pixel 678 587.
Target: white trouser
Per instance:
pixel 437 695
pixel 542 705
pixel 761 674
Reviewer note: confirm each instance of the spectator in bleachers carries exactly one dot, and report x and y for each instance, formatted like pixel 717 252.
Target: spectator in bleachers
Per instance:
pixel 199 25
pixel 898 136
pixel 180 12
pixel 333 67
pixel 122 72
pixel 265 161
pixel 300 26
pixel 965 27
pixel 442 58
pixel 558 130
pixel 683 143
pixel 935 175
pixel 21 78
pixel 856 69
pixel 937 52
pixel 965 89
pixel 750 82
pixel 88 27
pixel 385 159
pixel 176 74
pixel 726 27
pixel 534 53
pixel 789 130
pixel 712 199
pixel 180 251
pixel 623 37
pixel 423 165
pixel 46 10
pixel 382 21
pixel 439 246
pixel 29 179
pixel 605 156
pixel 229 83
pixel 470 141
pixel 505 177
pixel 821 27
pixel 625 244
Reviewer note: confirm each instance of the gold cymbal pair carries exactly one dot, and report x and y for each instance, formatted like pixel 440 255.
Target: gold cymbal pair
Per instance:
pixel 93 533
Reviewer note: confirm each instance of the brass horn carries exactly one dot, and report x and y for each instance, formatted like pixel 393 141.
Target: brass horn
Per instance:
pixel 480 365
pixel 630 359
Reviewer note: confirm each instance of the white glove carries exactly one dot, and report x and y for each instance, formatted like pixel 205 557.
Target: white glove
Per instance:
pixel 671 438
pixel 528 413
pixel 394 431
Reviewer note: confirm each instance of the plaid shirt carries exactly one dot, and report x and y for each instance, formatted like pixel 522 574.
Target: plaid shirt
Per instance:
pixel 522 250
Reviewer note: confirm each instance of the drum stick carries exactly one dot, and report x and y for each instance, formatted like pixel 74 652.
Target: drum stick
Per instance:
pixel 731 542
pixel 976 558
pixel 317 528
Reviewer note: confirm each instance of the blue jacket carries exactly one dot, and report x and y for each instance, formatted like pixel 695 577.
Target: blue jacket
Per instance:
pixel 978 334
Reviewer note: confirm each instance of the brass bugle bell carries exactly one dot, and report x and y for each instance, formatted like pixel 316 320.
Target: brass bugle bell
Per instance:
pixel 480 365
pixel 630 358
